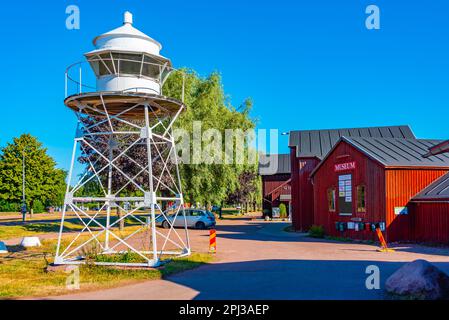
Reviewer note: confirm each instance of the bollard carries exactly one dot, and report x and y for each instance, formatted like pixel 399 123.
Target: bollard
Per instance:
pixel 383 243
pixel 213 241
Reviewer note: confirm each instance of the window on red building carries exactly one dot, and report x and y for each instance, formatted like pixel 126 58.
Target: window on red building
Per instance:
pixel 361 195
pixel 331 199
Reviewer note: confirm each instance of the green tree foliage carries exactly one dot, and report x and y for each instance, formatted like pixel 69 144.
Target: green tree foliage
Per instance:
pixel 247 182
pixel 211 183
pixel 283 210
pixel 202 182
pixel 45 184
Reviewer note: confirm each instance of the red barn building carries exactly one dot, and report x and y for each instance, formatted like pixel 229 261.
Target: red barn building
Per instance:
pixel 430 207
pixel 308 148
pixel 430 212
pixel 275 172
pixel 365 181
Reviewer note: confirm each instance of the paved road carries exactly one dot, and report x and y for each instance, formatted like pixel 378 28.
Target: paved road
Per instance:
pixel 257 260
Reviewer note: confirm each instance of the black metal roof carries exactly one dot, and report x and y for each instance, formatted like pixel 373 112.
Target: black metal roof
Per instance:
pixel 438 190
pixel 317 143
pixel 399 152
pixel 274 164
pixel 393 152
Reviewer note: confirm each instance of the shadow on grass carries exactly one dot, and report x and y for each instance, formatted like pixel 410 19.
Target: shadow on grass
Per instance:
pixel 15 249
pixel 41 227
pixel 235 217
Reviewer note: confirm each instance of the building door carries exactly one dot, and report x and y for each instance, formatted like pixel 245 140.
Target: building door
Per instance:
pixel 345 195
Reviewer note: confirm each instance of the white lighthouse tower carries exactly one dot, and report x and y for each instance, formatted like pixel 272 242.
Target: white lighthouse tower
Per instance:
pixel 128 200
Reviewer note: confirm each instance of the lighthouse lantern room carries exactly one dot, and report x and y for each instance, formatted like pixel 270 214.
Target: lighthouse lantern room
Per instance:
pixel 126 59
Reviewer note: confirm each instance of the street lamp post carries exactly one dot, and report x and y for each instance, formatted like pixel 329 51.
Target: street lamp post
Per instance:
pixel 24 206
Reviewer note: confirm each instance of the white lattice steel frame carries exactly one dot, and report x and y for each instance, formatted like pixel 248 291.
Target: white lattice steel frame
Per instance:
pixel 155 134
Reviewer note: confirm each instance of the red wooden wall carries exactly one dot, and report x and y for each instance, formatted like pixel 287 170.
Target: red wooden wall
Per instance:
pixel 401 186
pixel 368 173
pixel 302 191
pixel 430 221
pixel 306 203
pixel 294 188
pixel 270 183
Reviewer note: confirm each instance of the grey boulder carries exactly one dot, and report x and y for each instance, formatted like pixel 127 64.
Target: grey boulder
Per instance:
pixel 419 280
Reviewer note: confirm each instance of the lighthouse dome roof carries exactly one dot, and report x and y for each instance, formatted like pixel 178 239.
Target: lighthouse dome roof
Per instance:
pixel 126 38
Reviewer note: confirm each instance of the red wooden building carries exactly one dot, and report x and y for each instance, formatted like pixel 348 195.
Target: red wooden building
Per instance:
pixel 275 172
pixel 308 148
pixel 430 212
pixel 365 181
pixel 430 207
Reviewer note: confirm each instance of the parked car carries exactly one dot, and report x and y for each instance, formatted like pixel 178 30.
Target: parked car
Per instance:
pixel 195 218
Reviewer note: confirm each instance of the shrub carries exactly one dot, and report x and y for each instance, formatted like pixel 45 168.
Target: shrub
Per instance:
pixel 38 207
pixel 316 231
pixel 283 211
pixel 6 206
pixel 127 257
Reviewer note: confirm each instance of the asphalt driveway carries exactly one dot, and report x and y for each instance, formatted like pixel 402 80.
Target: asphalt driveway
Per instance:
pixel 258 260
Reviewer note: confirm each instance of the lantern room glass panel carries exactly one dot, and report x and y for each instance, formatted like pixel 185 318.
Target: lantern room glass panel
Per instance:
pixel 151 68
pixel 101 64
pixel 106 67
pixel 127 63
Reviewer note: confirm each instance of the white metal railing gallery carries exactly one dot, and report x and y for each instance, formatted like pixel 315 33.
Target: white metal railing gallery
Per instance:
pixel 77 68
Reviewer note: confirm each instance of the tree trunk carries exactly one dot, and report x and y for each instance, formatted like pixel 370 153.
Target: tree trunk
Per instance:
pixel 221 209
pixel 119 216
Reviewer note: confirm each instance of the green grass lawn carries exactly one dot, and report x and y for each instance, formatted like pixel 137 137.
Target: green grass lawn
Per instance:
pixel 23 273
pixel 231 211
pixel 31 228
pixel 34 229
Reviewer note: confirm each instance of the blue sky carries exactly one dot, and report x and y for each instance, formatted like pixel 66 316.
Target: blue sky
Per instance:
pixel 306 64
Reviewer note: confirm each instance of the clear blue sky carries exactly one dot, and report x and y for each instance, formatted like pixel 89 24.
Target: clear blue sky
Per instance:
pixel 306 64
